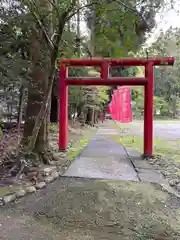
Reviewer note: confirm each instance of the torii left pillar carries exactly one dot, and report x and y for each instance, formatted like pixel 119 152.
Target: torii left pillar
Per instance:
pixel 63 119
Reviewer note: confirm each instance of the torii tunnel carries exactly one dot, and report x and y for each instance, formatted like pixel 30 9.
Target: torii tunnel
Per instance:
pixel 105 63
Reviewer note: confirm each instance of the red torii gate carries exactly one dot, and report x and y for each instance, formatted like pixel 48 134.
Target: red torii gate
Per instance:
pixel 105 79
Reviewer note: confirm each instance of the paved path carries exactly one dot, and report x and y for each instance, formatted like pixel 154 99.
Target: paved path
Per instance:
pixel 103 159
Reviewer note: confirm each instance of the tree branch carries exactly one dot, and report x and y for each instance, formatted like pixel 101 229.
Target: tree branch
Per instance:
pixel 39 22
pixel 47 37
pixel 132 9
pixel 52 2
pixel 72 5
pixel 86 47
pixel 79 9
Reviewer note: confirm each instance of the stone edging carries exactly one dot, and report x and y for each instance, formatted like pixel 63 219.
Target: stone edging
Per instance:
pixel 50 173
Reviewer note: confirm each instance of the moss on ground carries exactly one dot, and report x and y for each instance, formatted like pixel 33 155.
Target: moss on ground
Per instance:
pixel 8 190
pixel 53 127
pixel 4 191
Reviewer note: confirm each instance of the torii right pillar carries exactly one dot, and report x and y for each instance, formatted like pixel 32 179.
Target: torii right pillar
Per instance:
pixel 148 110
pixel 148 102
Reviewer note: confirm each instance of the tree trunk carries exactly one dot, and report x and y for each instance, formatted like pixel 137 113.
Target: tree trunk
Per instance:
pixel 43 57
pixel 93 27
pixel 54 109
pixel 36 90
pixel 20 111
pixel 78 41
pixel 89 116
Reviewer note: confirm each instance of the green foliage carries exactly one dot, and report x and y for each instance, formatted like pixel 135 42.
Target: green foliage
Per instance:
pixel 83 97
pixel 103 94
pixel 167 79
pixel 14 44
pixel 119 28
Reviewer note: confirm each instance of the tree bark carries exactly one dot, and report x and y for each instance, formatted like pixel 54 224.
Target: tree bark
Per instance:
pixel 37 87
pixel 43 57
pixel 93 27
pixel 78 40
pixel 20 111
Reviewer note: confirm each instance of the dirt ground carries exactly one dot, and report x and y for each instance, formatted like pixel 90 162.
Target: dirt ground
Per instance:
pixel 79 209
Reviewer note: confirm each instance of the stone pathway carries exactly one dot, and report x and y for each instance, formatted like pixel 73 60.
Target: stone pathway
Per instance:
pixel 103 159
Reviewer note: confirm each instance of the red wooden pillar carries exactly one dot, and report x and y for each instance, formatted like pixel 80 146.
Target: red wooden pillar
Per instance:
pixel 104 71
pixel 63 111
pixel 148 110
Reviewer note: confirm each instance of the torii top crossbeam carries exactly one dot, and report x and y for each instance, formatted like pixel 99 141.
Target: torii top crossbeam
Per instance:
pixel 118 62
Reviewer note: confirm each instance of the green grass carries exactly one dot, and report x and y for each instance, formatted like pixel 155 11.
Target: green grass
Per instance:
pixel 161 147
pixel 77 148
pixel 167 121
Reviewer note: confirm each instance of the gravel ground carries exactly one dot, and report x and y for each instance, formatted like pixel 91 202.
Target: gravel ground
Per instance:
pixel 78 209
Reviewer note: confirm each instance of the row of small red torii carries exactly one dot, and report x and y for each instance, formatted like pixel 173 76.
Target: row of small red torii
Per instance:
pixel 105 63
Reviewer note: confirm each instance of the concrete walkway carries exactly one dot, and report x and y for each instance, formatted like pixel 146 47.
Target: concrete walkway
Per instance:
pixel 103 159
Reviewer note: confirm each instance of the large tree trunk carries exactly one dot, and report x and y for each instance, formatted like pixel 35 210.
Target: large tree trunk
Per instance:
pixel 36 91
pixel 44 55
